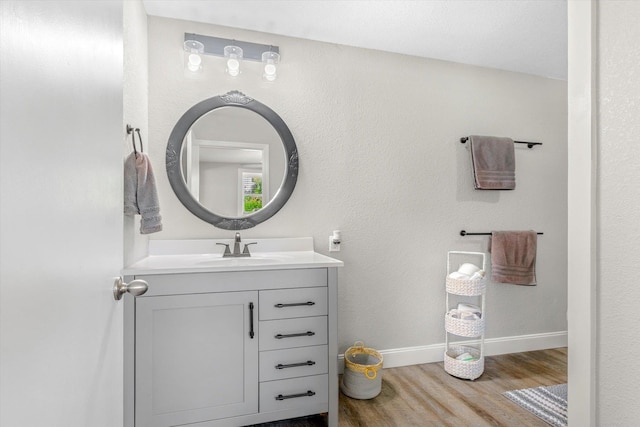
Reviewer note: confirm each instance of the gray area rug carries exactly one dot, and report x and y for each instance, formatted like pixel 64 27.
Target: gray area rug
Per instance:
pixel 547 403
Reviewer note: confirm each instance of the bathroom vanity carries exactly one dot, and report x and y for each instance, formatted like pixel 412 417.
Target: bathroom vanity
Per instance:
pixel 222 338
pixel 231 341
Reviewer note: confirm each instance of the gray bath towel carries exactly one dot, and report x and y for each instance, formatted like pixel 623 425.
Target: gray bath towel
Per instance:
pixel 140 192
pixel 513 257
pixel 494 162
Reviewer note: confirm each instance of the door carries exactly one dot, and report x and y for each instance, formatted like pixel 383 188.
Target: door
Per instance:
pixel 196 358
pixel 61 136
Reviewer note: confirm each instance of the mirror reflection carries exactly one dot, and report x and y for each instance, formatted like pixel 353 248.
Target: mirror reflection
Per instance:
pixel 232 161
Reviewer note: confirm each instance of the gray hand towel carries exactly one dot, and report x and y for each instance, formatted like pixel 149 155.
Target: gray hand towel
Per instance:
pixel 513 257
pixel 494 162
pixel 130 186
pixel 140 192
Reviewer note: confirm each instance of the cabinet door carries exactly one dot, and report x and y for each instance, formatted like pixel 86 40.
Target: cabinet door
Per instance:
pixel 195 358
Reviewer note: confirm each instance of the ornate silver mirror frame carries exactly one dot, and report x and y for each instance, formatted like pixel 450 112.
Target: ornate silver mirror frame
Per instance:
pixel 174 150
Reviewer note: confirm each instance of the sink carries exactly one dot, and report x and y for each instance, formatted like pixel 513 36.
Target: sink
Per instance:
pixel 255 259
pixel 220 262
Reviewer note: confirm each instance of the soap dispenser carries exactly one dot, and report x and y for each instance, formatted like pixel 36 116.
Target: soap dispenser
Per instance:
pixel 334 241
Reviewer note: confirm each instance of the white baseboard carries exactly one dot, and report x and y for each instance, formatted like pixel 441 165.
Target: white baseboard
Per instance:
pixel 396 357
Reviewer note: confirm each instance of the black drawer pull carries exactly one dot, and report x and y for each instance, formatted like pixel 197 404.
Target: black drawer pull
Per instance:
pixel 302 334
pixel 251 333
pixel 296 304
pixel 293 396
pixel 295 365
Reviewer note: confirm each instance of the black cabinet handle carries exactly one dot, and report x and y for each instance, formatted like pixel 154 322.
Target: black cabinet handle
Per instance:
pixel 302 334
pixel 295 365
pixel 293 396
pixel 296 304
pixel 251 333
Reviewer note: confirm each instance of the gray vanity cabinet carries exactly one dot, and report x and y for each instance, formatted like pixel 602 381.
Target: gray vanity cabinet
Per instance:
pixel 195 358
pixel 231 348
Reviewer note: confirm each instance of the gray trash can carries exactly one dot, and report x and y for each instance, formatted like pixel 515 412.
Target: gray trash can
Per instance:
pixel 362 378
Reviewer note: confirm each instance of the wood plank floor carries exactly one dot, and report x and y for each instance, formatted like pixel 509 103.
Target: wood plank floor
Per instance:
pixel 425 395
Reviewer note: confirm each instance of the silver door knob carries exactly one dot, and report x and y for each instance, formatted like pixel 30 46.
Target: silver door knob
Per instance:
pixel 135 288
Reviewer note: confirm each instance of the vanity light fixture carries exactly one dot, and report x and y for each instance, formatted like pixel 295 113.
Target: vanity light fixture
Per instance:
pixel 234 56
pixel 193 51
pixel 270 60
pixel 234 52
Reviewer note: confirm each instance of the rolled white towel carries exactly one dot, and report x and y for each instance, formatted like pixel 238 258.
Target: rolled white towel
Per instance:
pixel 477 275
pixel 468 269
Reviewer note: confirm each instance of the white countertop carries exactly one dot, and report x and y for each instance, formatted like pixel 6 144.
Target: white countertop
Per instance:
pixel 204 256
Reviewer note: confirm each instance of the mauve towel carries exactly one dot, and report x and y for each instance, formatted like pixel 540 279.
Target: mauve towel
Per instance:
pixel 513 257
pixel 494 162
pixel 140 192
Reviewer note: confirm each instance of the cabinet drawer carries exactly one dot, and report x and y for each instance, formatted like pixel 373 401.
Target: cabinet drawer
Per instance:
pixel 293 362
pixel 289 303
pixel 289 333
pixel 296 393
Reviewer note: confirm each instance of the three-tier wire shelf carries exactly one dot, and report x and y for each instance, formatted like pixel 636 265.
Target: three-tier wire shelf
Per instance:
pixel 463 325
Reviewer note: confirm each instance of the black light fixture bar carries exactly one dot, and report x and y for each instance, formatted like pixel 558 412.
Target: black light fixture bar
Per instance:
pixel 215 46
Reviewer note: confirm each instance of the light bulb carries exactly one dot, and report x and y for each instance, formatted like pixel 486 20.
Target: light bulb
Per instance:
pixel 194 62
pixel 233 67
pixel 193 49
pixel 234 56
pixel 270 70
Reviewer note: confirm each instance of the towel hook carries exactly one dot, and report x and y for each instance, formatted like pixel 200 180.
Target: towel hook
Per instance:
pixel 130 131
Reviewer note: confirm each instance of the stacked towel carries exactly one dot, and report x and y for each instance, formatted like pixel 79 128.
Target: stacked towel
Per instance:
pixel 494 163
pixel 140 192
pixel 513 257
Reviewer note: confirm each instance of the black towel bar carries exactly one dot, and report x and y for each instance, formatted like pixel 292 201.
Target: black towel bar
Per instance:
pixel 465 233
pixel 529 144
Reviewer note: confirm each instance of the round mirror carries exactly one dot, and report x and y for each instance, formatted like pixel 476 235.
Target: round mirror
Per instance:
pixel 232 161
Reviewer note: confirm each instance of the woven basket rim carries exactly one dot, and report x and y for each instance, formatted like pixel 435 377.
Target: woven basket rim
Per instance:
pixel 468 282
pixel 465 328
pixel 361 349
pixel 466 287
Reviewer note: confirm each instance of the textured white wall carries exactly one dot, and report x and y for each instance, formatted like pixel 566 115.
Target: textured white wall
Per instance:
pixel 135 109
pixel 380 159
pixel 619 206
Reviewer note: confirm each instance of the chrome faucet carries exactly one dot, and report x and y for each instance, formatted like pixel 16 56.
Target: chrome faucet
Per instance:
pixel 236 248
pixel 236 245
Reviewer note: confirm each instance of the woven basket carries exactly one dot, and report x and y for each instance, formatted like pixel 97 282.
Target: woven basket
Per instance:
pixel 361 365
pixel 466 287
pixel 463 327
pixel 469 370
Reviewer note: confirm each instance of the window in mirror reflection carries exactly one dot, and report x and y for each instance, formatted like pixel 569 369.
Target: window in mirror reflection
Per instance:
pixel 251 192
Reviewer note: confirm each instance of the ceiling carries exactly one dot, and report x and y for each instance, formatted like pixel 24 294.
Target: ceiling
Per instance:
pixel 528 36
